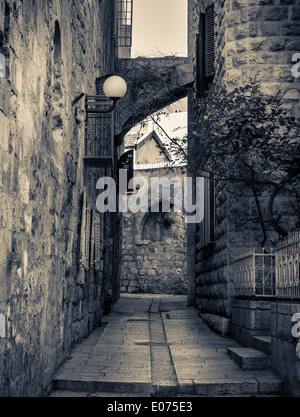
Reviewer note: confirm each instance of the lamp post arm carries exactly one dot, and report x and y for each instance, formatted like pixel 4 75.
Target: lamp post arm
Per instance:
pixel 77 99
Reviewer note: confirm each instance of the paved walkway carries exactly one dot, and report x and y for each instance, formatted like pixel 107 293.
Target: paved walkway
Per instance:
pixel 153 345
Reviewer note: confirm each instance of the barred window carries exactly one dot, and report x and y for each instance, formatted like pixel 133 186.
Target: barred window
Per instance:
pixel 99 133
pixel 123 36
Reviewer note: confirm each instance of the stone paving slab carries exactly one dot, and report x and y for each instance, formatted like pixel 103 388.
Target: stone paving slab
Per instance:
pixel 155 345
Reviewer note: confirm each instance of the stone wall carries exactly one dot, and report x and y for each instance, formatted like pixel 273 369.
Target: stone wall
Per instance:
pixel 250 37
pixel 54 52
pixel 153 83
pixel 154 253
pixel 285 346
pixel 250 318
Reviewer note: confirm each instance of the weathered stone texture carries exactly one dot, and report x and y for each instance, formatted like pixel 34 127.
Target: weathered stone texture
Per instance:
pixel 47 308
pixel 249 318
pixel 154 258
pixel 285 347
pixel 250 37
pixel 153 83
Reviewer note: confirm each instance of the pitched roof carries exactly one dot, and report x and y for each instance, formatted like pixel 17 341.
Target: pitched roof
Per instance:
pixel 134 140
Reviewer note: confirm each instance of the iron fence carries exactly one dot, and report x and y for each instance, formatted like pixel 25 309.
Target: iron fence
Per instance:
pixel 287 258
pixel 254 274
pixel 270 274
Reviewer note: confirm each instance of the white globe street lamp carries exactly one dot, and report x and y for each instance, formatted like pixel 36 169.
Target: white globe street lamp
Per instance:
pixel 115 87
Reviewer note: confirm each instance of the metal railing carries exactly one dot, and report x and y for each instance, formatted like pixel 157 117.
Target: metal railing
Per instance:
pixel 270 274
pixel 254 274
pixel 139 167
pixel 287 261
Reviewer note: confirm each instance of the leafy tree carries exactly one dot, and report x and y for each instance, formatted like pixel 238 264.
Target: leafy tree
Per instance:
pixel 251 143
pixel 250 140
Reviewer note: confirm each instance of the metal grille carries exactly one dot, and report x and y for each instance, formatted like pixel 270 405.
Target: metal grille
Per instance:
pixel 287 257
pixel 97 241
pixel 98 136
pixel 123 36
pixel 98 149
pixel 205 52
pixel 254 274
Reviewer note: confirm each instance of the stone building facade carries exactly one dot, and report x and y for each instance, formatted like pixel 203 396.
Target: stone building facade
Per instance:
pixel 154 247
pixel 52 294
pixel 53 286
pixel 251 38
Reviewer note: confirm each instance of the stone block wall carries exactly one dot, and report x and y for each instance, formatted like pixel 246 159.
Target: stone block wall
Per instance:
pixel 153 83
pixel 250 318
pixel 54 52
pixel 154 253
pixel 286 347
pixel 250 37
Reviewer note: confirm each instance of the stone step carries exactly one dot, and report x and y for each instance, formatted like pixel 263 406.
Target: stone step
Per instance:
pixel 262 343
pixel 265 384
pixel 249 358
pixel 92 384
pixel 262 385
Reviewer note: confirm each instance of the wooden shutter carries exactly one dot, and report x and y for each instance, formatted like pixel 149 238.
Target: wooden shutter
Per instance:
pixel 209 42
pixel 200 55
pixel 205 50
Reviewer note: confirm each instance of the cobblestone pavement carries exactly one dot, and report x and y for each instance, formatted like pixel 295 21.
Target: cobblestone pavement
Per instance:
pixel 153 345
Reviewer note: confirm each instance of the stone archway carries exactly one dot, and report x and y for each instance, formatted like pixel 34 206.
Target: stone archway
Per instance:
pixel 153 83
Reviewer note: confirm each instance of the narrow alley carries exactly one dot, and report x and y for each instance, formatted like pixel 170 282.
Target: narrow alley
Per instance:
pixel 153 345
pixel 150 199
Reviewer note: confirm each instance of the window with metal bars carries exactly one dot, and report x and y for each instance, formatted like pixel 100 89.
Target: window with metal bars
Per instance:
pixel 205 54
pixel 99 133
pixel 123 35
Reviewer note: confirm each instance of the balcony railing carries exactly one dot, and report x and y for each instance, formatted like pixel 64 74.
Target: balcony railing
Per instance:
pixel 287 261
pixel 270 274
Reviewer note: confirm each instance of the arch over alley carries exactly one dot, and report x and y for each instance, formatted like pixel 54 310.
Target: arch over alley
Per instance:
pixel 153 83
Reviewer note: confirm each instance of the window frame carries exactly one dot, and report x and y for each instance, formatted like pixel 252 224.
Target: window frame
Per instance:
pixel 123 27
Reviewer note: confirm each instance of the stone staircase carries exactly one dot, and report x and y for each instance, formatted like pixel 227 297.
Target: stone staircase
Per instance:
pixel 263 343
pixel 257 357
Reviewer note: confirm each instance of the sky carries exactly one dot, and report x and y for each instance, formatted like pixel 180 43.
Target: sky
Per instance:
pixel 159 28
